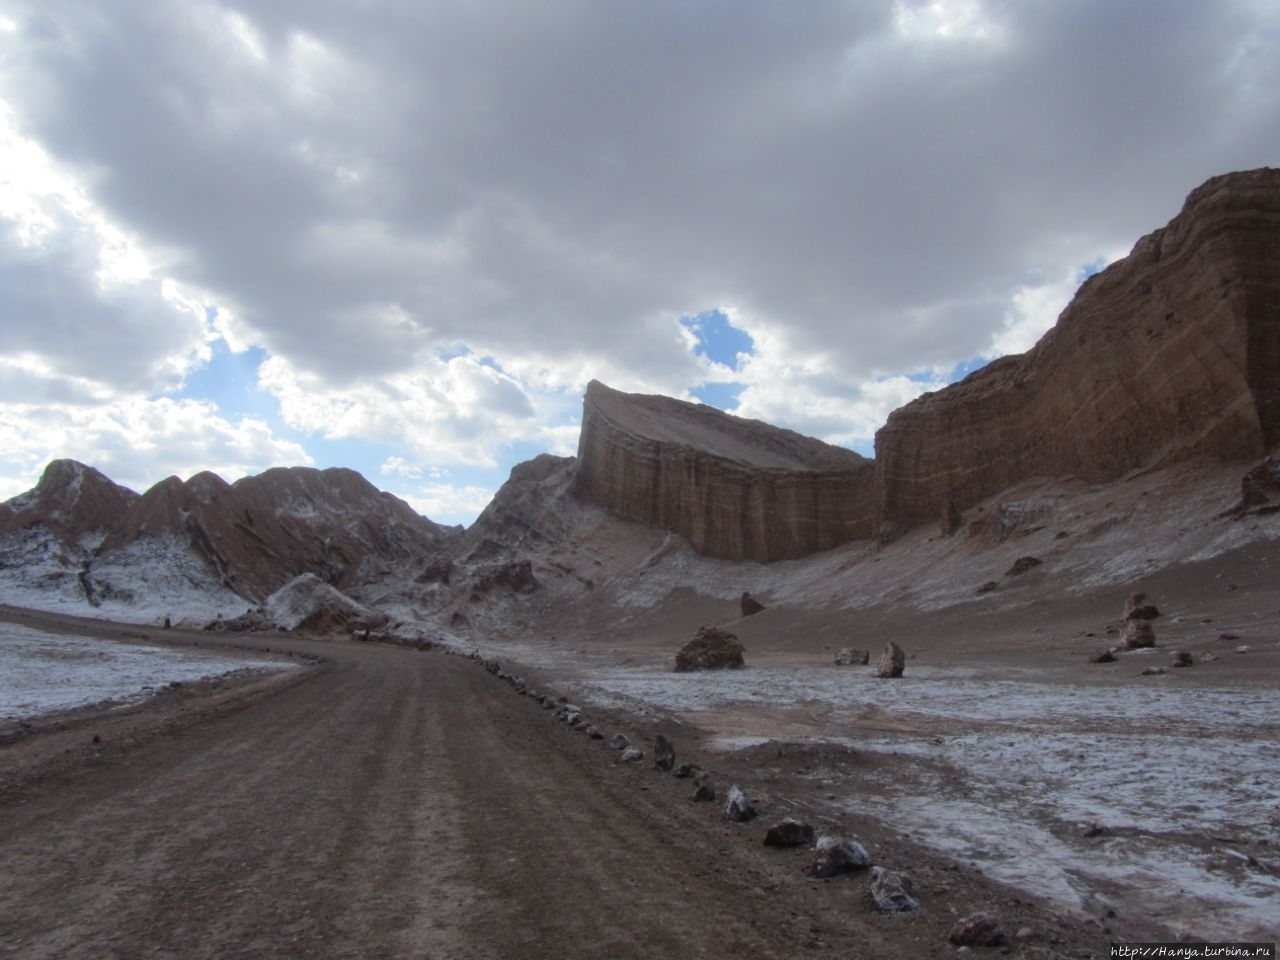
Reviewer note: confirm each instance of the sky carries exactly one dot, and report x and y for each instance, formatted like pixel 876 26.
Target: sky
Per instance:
pixel 402 237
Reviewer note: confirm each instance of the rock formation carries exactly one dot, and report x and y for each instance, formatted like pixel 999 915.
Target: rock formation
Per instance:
pixel 49 533
pixel 260 532
pixel 737 489
pixel 1171 352
pixel 75 502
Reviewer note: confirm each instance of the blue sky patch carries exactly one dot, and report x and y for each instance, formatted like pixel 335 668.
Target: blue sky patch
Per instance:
pixel 718 339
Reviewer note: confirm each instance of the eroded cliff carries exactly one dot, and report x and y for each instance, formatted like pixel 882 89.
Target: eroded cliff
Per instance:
pixel 737 489
pixel 1169 353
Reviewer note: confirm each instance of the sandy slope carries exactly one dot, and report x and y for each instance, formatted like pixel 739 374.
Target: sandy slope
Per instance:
pixel 392 803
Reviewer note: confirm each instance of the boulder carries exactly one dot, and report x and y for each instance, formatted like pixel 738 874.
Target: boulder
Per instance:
pixel 848 656
pixel 664 753
pixel 977 930
pixel 710 649
pixel 1183 658
pixel 737 808
pixel 1136 607
pixel 891 891
pixel 749 605
pixel 892 661
pixel 789 833
pixel 833 856
pixel 1138 634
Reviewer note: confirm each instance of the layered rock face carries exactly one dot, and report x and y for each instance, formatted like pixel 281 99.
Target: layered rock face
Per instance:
pixel 1171 352
pixel 737 489
pixel 260 532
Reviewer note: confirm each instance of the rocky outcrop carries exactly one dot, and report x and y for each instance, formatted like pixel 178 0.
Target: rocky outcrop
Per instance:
pixel 75 502
pixel 49 533
pixel 1171 352
pixel 737 489
pixel 260 532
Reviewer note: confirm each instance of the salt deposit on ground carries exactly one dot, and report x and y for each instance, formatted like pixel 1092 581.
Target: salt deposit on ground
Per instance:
pixel 1002 771
pixel 41 672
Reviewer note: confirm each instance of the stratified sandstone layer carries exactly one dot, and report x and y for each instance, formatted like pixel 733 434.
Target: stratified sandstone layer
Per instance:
pixel 737 489
pixel 1169 353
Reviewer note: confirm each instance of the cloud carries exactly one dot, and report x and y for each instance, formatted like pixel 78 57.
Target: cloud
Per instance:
pixel 446 503
pixel 439 221
pixel 137 443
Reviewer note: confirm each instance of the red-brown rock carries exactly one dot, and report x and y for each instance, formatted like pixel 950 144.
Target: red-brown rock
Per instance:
pixel 1169 353
pixel 737 489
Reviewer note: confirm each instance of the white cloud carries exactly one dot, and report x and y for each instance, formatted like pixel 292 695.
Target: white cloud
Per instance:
pixel 366 193
pixel 446 503
pixel 400 467
pixel 136 442
pixel 455 410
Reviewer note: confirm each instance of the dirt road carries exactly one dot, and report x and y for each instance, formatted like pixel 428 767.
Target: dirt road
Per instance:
pixel 395 804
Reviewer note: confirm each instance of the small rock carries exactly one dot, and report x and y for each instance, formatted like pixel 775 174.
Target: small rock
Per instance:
pixel 1227 637
pixel 1092 828
pixel 1022 565
pixel 891 891
pixel 1103 656
pixel 1137 608
pixel 737 808
pixel 1138 634
pixel 1208 657
pixel 704 792
pixel 684 770
pixel 664 753
pixel 849 656
pixel 1182 658
pixel 978 930
pixel 631 755
pixel 988 587
pixel 892 661
pixel 789 833
pixel 594 733
pixel 1153 671
pixel 619 742
pixel 833 856
pixel 1024 933
pixel 1243 648
pixel 749 605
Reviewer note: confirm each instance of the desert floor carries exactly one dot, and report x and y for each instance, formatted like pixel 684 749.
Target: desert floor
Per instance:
pixel 382 801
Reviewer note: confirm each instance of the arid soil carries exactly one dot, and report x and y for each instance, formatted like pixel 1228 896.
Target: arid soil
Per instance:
pixel 385 802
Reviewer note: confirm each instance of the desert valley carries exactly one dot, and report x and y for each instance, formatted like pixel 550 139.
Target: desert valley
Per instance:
pixel 289 716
